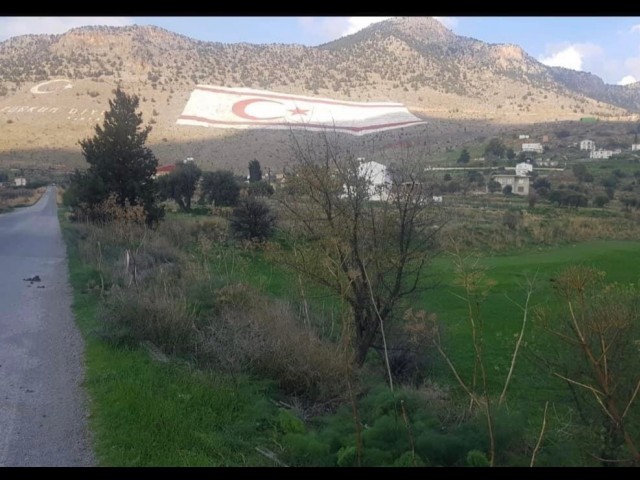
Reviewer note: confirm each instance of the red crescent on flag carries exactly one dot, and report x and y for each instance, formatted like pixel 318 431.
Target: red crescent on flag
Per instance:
pixel 239 109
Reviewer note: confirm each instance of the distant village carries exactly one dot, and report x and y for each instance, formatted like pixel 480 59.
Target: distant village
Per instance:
pixel 519 181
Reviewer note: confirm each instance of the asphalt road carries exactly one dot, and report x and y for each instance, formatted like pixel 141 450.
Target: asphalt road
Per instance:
pixel 43 408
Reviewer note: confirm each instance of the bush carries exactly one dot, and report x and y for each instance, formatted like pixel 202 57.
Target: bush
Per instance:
pixel 405 428
pixel 260 189
pixel 263 336
pixel 507 190
pixel 464 156
pixel 253 220
pixel 494 186
pixel 154 314
pixel 511 220
pixel 108 210
pixel 542 183
pixel 568 198
pixel 600 201
pixel 495 147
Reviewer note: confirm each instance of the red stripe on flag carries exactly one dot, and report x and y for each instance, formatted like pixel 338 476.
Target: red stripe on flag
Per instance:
pixel 302 125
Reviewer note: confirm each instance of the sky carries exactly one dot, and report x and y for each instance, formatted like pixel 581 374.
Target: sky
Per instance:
pixel 606 46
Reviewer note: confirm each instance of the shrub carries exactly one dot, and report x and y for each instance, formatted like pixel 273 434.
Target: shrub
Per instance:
pixel 540 183
pixel 108 210
pixel 507 190
pixel 260 189
pixel 253 220
pixel 464 156
pixel 494 186
pixel 263 336
pixel 155 314
pixel 511 220
pixel 600 201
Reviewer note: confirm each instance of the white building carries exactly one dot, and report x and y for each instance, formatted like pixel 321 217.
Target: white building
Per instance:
pixel 532 147
pixel 547 162
pixel 20 181
pixel 635 146
pixel 523 136
pixel 587 145
pixel 519 185
pixel 378 179
pixel 602 153
pixel 523 169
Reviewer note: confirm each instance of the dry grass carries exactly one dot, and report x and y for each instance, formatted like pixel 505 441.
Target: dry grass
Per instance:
pixel 183 302
pixel 19 197
pixel 257 334
pixel 486 229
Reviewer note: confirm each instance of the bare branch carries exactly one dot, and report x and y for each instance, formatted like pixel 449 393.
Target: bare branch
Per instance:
pixel 596 393
pixel 537 447
pixel 472 396
pixel 633 397
pixel 525 309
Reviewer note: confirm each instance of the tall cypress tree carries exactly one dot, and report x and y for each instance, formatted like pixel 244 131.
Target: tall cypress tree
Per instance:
pixel 255 171
pixel 119 161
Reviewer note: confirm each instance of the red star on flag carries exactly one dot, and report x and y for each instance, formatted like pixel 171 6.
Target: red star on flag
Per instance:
pixel 298 111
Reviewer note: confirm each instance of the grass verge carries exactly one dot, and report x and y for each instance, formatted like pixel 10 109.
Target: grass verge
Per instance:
pixel 146 413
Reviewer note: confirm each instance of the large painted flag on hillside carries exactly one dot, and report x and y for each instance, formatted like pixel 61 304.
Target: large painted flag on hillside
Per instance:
pixel 222 107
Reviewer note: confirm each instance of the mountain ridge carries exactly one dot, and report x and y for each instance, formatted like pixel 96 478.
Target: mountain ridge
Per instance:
pixel 442 77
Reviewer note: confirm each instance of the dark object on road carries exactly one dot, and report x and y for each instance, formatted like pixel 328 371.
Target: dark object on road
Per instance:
pixel 35 278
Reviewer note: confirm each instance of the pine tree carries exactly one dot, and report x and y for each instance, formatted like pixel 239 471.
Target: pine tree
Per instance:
pixel 119 162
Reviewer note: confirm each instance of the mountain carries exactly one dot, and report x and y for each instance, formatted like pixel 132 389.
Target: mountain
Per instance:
pixel 590 85
pixel 463 86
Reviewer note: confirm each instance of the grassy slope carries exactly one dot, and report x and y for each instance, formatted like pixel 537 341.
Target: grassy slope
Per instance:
pixel 145 413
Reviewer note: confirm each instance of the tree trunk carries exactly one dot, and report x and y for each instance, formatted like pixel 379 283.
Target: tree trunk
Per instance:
pixel 366 331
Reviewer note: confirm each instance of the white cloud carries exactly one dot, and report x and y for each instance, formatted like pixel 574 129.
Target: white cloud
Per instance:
pixel 329 28
pixel 13 26
pixel 567 58
pixel 632 65
pixel 449 22
pixel 322 29
pixel 571 56
pixel 627 79
pixel 635 29
pixel 358 23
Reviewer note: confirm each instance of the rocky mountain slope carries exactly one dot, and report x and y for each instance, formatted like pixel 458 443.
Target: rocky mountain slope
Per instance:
pixel 464 87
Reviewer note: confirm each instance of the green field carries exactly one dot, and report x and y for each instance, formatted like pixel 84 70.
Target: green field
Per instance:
pixel 503 319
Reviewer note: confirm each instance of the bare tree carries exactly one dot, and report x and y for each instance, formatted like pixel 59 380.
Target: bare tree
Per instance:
pixel 365 232
pixel 599 360
pixel 471 277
